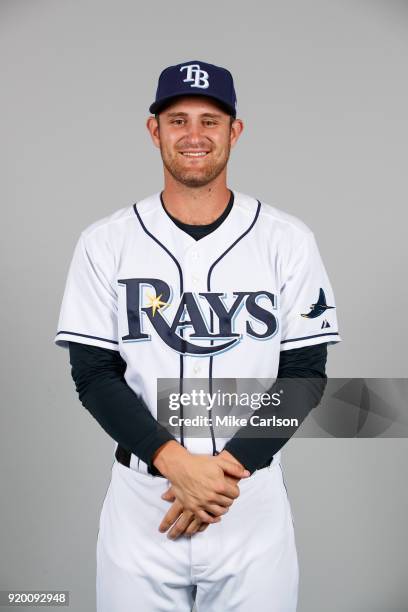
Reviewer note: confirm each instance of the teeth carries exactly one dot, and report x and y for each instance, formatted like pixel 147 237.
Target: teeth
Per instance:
pixel 201 154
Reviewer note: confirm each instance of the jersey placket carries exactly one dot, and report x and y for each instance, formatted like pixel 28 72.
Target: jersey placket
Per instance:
pixel 195 274
pixel 194 281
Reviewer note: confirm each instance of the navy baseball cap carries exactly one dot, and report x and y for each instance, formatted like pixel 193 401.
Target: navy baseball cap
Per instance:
pixel 195 78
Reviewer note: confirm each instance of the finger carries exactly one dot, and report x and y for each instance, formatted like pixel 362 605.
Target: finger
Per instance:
pixel 169 495
pixel 224 491
pixel 232 468
pixel 229 490
pixel 203 526
pixel 215 509
pixel 207 518
pixel 194 526
pixel 181 525
pixel 231 479
pixel 222 500
pixel 171 516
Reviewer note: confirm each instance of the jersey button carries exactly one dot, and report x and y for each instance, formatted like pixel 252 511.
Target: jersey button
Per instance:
pixel 194 255
pixel 197 369
pixel 195 280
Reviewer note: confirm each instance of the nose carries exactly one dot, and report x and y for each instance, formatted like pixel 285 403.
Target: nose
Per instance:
pixel 194 134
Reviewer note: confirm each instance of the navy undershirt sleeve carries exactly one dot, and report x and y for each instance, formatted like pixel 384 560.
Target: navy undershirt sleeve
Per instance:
pixel 98 374
pixel 302 379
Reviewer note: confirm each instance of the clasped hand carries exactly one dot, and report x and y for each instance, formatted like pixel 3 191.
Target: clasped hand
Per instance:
pixel 202 489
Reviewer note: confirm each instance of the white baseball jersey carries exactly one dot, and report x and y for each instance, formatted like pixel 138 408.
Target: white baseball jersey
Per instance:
pixel 220 307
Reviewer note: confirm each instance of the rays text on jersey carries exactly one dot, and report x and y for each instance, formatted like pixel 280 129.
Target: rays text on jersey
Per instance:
pixel 209 335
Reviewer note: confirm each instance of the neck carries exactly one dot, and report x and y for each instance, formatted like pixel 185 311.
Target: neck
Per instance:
pixel 196 205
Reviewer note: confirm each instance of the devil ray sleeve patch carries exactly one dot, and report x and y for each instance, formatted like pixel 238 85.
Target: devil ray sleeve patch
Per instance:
pixel 307 306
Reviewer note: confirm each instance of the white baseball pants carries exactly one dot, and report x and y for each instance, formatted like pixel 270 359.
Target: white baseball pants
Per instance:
pixel 245 563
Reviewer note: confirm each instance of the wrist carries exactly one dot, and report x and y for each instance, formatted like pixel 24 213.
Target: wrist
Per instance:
pixel 167 457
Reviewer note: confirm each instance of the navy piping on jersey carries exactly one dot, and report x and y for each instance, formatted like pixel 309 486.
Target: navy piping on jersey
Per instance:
pixel 307 337
pixel 87 336
pixel 215 452
pixel 162 246
pixel 181 293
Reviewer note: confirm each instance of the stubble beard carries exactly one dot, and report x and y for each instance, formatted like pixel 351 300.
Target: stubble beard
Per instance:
pixel 194 177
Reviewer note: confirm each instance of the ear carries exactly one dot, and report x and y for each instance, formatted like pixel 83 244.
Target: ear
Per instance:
pixel 237 127
pixel 152 125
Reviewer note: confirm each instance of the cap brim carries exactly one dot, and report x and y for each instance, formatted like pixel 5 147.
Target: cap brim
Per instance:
pixel 158 106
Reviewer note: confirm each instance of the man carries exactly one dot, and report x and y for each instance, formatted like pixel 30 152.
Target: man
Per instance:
pixel 196 281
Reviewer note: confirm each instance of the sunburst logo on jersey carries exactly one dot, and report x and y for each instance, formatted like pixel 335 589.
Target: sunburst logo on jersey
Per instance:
pixel 155 303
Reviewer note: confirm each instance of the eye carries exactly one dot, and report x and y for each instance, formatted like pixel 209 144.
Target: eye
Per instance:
pixel 178 121
pixel 209 122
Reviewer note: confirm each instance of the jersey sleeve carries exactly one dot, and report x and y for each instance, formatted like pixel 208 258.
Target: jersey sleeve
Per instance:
pixel 89 309
pixel 307 307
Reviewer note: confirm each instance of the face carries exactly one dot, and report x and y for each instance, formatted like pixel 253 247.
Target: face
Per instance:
pixel 195 138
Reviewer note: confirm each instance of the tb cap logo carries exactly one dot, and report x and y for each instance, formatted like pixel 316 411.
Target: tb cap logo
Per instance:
pixel 196 76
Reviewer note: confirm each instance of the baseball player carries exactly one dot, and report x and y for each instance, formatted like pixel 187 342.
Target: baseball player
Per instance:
pixel 195 281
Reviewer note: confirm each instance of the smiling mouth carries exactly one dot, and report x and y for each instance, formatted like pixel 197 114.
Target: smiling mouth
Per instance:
pixel 195 154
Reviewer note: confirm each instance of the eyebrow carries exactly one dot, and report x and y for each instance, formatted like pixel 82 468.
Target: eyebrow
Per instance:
pixel 181 114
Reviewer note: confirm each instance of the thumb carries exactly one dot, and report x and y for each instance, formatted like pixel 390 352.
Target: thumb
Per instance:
pixel 233 469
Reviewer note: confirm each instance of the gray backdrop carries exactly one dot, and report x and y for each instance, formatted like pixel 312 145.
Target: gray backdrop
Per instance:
pixel 322 89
